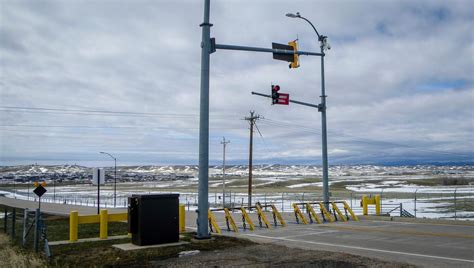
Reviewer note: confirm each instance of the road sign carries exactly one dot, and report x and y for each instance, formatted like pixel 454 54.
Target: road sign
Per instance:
pixel 283 99
pixel 98 175
pixel 39 191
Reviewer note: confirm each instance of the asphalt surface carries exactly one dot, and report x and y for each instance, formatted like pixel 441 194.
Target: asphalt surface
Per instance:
pixel 438 244
pixel 427 244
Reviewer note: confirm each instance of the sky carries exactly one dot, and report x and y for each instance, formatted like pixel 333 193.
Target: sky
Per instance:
pixel 81 77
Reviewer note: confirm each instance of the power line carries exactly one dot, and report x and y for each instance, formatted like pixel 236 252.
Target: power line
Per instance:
pixel 95 112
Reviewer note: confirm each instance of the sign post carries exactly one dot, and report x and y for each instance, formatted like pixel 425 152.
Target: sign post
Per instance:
pixel 98 178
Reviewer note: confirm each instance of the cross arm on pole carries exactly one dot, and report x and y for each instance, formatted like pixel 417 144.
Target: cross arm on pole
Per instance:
pixel 293 101
pixel 261 49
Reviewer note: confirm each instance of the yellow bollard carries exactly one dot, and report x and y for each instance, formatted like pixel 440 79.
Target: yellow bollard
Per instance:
pixel 377 205
pixel 182 219
pixel 73 223
pixel 365 209
pixel 104 222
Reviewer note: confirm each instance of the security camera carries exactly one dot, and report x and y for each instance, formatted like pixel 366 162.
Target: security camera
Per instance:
pixel 329 46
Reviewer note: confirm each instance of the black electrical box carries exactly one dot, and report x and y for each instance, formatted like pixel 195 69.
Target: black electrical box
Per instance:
pixel 153 219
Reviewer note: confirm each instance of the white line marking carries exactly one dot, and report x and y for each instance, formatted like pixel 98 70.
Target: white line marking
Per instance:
pixel 423 223
pixel 362 248
pixel 311 233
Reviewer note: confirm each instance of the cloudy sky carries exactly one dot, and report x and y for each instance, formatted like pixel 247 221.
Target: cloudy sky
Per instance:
pixel 80 77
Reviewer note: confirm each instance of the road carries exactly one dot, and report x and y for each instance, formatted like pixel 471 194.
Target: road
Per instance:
pixel 439 244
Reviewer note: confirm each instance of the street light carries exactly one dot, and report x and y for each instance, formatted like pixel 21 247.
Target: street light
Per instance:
pixel 115 177
pixel 323 44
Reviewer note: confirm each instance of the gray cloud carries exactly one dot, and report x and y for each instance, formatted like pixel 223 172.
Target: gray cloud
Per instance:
pixel 399 80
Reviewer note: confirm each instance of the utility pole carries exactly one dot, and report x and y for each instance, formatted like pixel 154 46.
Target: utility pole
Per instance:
pixel 251 120
pixel 224 143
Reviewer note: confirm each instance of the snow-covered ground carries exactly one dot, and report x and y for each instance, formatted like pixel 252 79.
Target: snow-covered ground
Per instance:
pixel 429 201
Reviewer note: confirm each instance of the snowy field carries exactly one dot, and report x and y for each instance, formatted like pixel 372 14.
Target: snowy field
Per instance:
pixel 418 189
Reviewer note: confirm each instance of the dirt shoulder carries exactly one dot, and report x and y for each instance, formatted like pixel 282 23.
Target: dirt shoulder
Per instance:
pixel 267 255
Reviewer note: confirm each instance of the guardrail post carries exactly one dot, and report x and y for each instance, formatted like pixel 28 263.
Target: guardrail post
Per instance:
pixel 73 224
pixel 377 205
pixel 103 222
pixel 365 209
pixel 182 219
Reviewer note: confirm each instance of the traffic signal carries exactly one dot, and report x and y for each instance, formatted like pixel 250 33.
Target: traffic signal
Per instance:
pixel 36 184
pixel 275 94
pixel 295 62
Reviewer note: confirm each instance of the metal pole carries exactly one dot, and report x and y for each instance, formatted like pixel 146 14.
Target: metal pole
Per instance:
pixel 115 182
pixel 203 187
pixel 324 134
pixel 98 191
pixel 54 189
pixel 224 143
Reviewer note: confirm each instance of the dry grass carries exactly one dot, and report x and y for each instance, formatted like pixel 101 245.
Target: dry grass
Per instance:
pixel 12 256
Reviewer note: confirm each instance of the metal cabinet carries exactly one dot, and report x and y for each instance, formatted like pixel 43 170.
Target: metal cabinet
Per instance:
pixel 153 219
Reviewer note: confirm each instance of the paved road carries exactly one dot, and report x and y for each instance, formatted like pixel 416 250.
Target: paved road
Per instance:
pixel 423 244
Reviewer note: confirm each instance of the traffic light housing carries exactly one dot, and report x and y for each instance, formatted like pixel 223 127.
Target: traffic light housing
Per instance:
pixel 295 63
pixel 275 94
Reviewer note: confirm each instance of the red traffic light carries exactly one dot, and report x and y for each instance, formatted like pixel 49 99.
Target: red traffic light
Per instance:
pixel 276 88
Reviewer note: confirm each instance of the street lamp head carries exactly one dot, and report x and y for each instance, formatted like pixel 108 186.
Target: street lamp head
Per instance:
pixel 291 15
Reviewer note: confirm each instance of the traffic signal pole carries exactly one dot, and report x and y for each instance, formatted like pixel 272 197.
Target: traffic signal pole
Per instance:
pixel 209 46
pixel 324 134
pixel 203 198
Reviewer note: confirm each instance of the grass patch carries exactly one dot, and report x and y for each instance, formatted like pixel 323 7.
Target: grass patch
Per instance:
pixel 101 253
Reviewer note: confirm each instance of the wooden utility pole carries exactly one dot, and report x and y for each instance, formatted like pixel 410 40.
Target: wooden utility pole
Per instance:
pixel 251 120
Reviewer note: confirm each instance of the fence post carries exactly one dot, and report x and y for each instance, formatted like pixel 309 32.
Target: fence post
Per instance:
pixel 282 208
pixel 13 222
pixel 36 240
pixel 5 220
pixel 73 224
pixel 104 222
pixel 401 209
pixel 25 226
pixel 265 200
pixel 415 201
pixel 351 199
pixel 455 208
